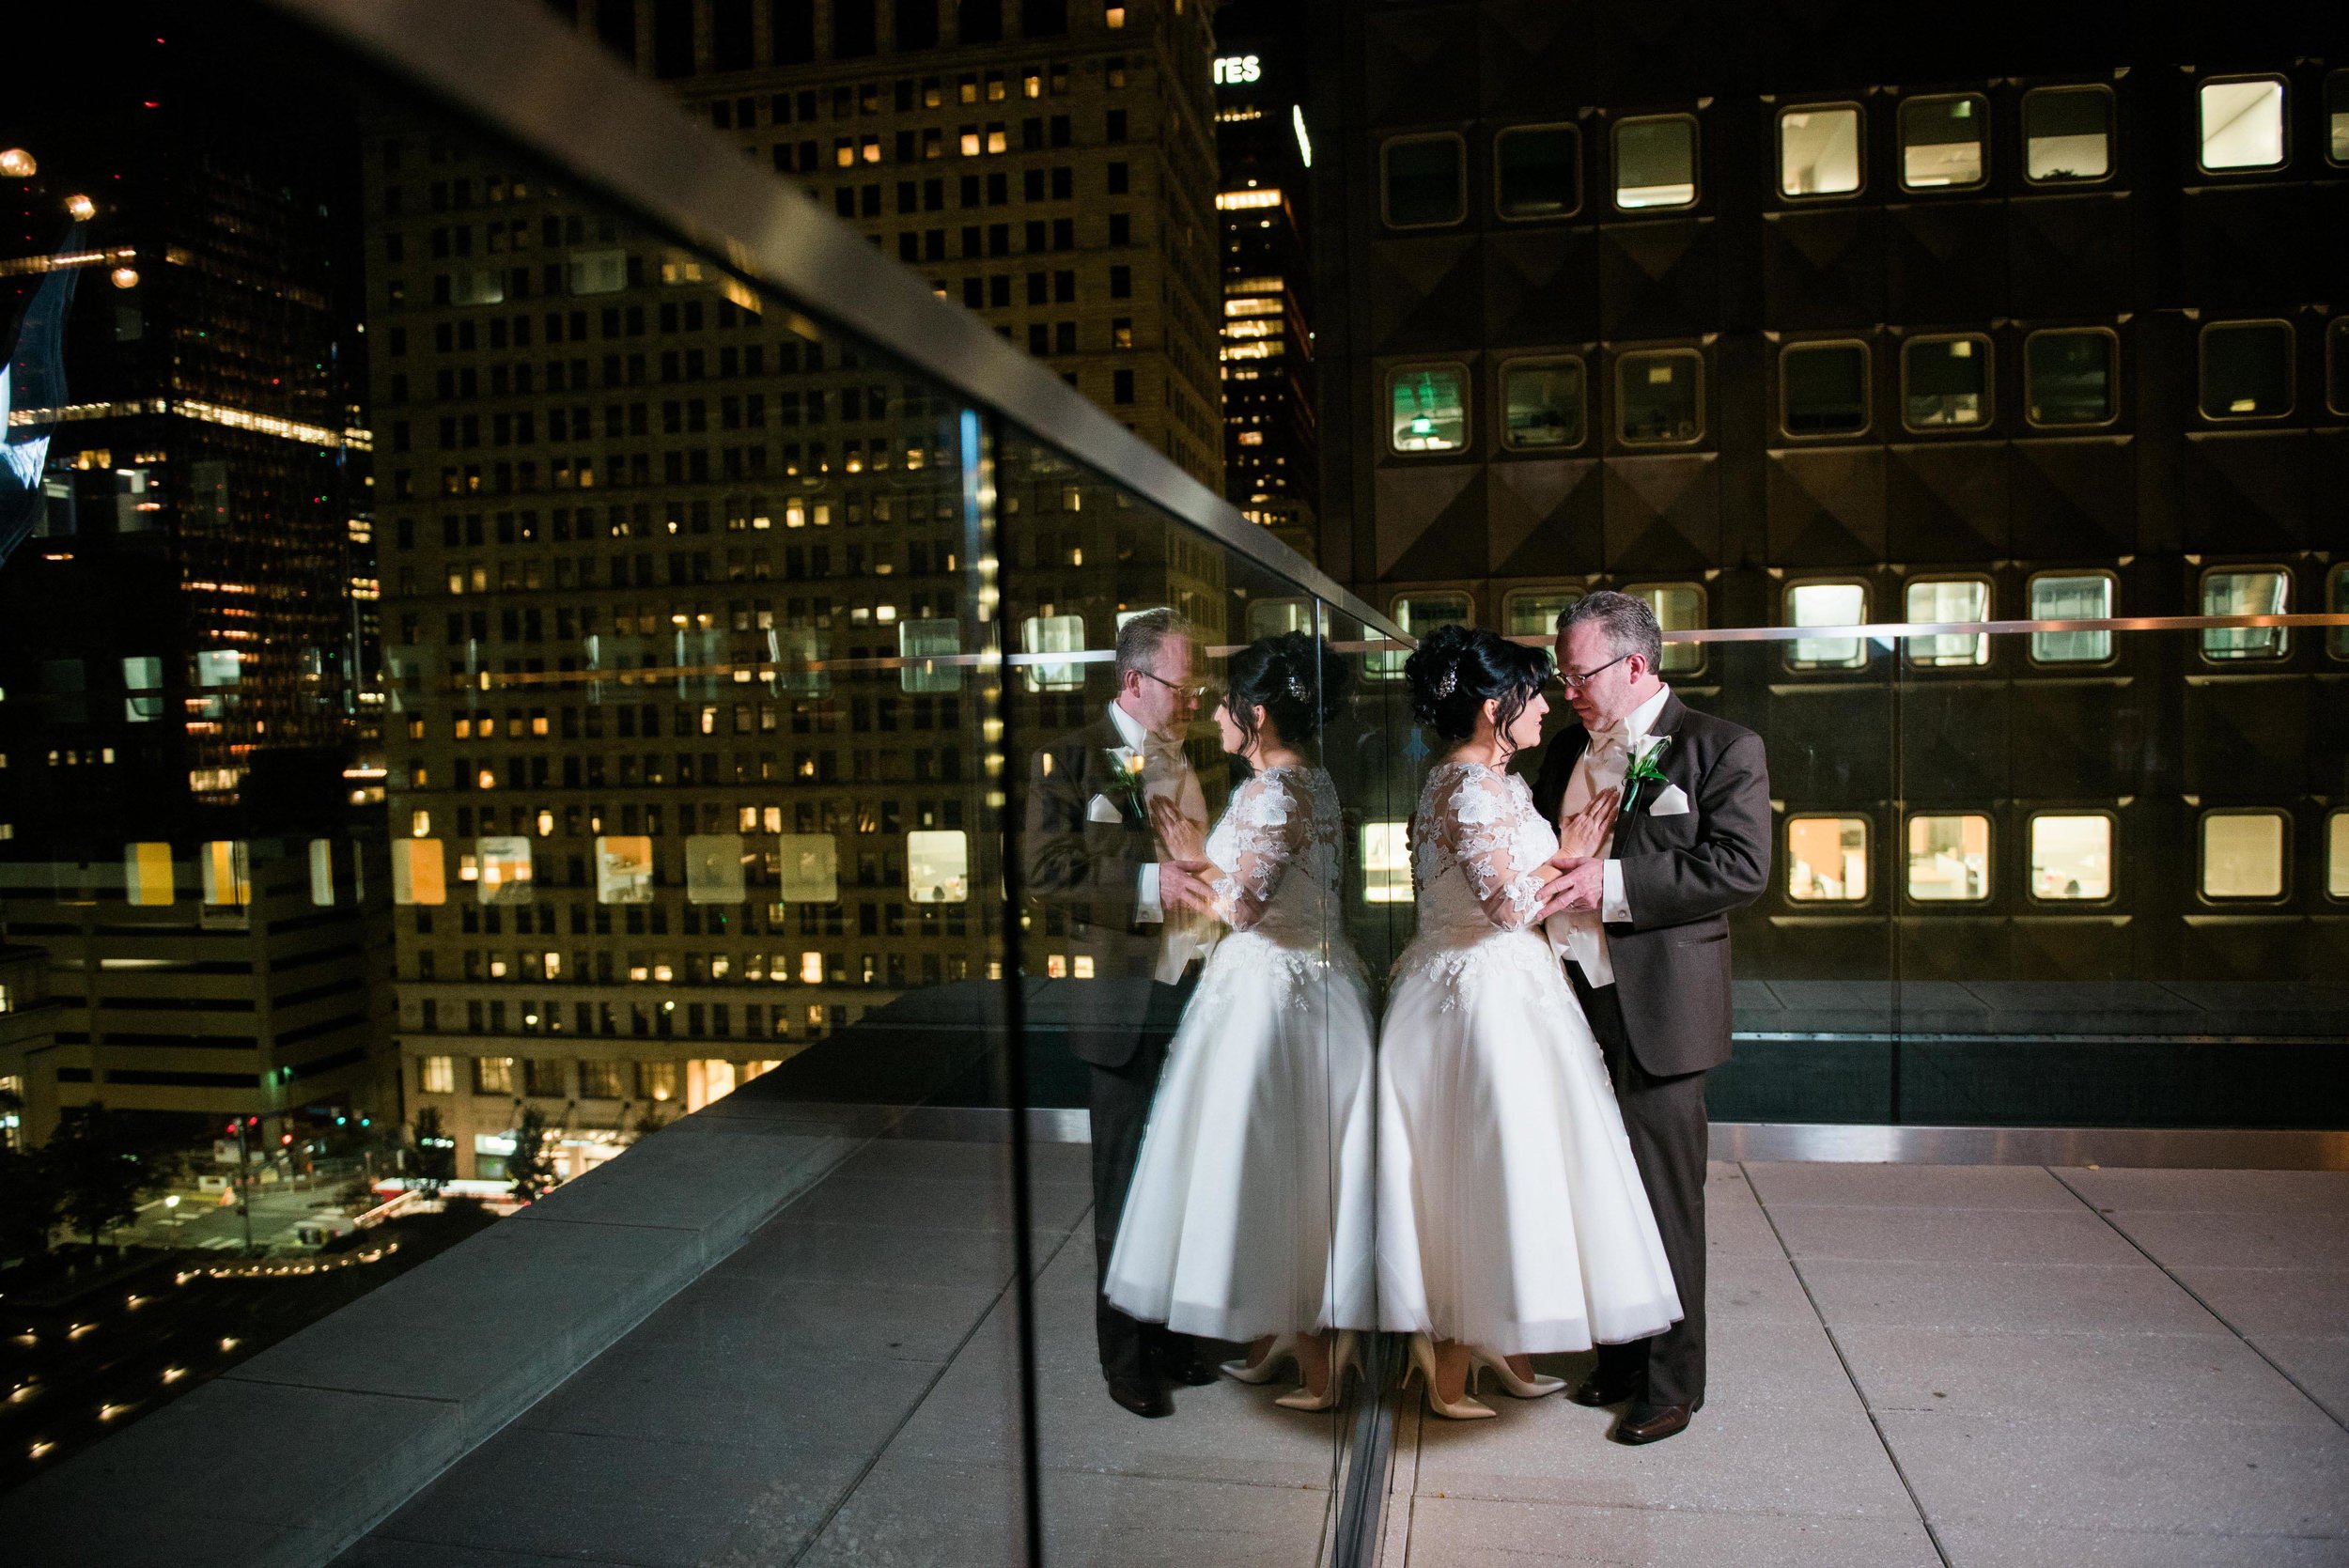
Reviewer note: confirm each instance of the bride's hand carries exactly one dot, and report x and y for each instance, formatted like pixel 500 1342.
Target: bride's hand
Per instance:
pixel 1182 838
pixel 1580 835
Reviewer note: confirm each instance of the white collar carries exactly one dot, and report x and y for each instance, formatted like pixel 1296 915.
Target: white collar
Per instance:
pixel 1129 729
pixel 1634 725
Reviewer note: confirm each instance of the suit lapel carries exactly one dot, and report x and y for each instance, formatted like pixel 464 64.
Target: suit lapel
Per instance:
pixel 1631 823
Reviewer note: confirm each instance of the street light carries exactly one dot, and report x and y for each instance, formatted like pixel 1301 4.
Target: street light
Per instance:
pixel 171 1207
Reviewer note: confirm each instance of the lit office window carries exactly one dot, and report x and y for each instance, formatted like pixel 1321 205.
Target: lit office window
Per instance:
pixel 2067 134
pixel 714 869
pixel 938 866
pixel 599 1080
pixel 1948 858
pixel 1679 607
pixel 1945 600
pixel 2246 591
pixel 2337 603
pixel 2337 855
pixel 1386 863
pixel 2337 118
pixel 1823 389
pixel 503 876
pixel 1659 398
pixel 2246 370
pixel 2068 376
pixel 2243 854
pixel 807 868
pixel 1537 171
pixel 2071 855
pixel 1269 618
pixel 2071 596
pixel 1945 383
pixel 2243 123
pixel 147 873
pixel 623 870
pixel 1424 179
pixel 1417 615
pixel 1819 151
pixel 1534 611
pixel 438 1075
pixel 1054 634
pixel 597 272
pixel 2337 364
pixel 1427 408
pixel 1656 162
pixel 493 1074
pixel 656 1081
pixel 1827 604
pixel 323 872
pixel 142 689
pixel 226 868
pixel 1826 859
pixel 930 649
pixel 1944 142
pixel 543 1078
pixel 419 872
pixel 1541 403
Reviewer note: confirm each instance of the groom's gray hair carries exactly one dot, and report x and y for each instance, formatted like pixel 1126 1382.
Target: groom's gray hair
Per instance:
pixel 1140 639
pixel 1630 623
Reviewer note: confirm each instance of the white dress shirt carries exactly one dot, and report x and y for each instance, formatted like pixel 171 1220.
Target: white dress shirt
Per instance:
pixel 1166 772
pixel 1579 936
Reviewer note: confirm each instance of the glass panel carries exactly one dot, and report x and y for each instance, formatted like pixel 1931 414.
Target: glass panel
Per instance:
pixel 2337 117
pixel 2337 603
pixel 1428 407
pixel 1417 615
pixel 1944 600
pixel 2068 377
pixel 225 869
pixel 1678 606
pixel 1425 180
pixel 1534 611
pixel 1656 162
pixel 1945 383
pixel 1827 604
pixel 1542 403
pixel 1052 634
pixel 1386 863
pixel 2083 597
pixel 2243 124
pixel 1660 396
pixel 2337 855
pixel 931 650
pixel 1826 859
pixel 938 866
pixel 1942 141
pixel 2071 855
pixel 419 870
pixel 1948 858
pixel 1824 387
pixel 2254 592
pixel 504 870
pixel 2067 133
pixel 1538 171
pixel 142 687
pixel 2243 855
pixel 624 869
pixel 1818 151
pixel 715 866
pixel 148 875
pixel 2246 370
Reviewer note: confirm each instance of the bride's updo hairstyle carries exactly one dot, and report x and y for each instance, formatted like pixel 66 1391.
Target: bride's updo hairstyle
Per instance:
pixel 1292 678
pixel 1457 669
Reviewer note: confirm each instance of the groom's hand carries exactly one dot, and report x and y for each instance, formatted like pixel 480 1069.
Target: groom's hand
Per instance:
pixel 1182 885
pixel 1581 881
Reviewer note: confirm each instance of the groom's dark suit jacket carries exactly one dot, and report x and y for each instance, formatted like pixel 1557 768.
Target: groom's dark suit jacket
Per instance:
pixel 1682 875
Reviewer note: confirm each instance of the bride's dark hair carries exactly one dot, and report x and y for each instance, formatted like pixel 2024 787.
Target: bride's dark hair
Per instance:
pixel 1292 678
pixel 1456 669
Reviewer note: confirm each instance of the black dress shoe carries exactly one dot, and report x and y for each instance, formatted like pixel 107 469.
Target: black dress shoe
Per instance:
pixel 1652 1423
pixel 1593 1393
pixel 1190 1365
pixel 1145 1398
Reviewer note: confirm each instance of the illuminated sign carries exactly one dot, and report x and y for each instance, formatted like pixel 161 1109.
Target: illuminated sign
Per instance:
pixel 1305 144
pixel 1237 70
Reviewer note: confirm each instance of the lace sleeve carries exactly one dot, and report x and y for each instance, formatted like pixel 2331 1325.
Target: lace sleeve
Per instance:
pixel 1480 820
pixel 1268 828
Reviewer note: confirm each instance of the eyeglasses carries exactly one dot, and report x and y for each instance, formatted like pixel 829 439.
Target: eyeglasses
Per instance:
pixel 1575 683
pixel 1199 692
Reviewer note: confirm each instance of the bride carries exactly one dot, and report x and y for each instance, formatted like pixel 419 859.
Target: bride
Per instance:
pixel 1228 1228
pixel 1511 1217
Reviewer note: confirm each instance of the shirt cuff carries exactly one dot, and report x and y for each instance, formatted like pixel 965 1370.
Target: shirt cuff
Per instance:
pixel 1146 906
pixel 1614 908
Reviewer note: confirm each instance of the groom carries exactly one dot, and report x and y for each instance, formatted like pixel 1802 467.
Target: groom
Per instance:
pixel 1643 927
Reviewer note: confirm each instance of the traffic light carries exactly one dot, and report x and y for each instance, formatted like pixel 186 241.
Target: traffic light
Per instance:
pixel 232 1129
pixel 342 1121
pixel 366 1121
pixel 284 1138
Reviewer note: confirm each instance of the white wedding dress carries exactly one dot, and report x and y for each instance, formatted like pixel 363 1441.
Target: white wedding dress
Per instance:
pixel 1231 1230
pixel 1510 1213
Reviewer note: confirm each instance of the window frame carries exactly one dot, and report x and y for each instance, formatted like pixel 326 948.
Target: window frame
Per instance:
pixel 2201 859
pixel 2283 117
pixel 2333 821
pixel 1786 612
pixel 2336 396
pixel 1867 859
pixel 1500 400
pixel 1777 143
pixel 1372 669
pixel 1900 141
pixel 2112 854
pixel 1989 858
pixel 1467 410
pixel 2202 370
pixel 2112 604
pixel 1989 382
pixel 1704 621
pixel 1580 195
pixel 2112 336
pixel 1696 162
pixel 1990 612
pixel 1705 423
pixel 2284 633
pixel 1387 146
pixel 1527 590
pixel 2324 88
pixel 2112 134
pixel 1867 388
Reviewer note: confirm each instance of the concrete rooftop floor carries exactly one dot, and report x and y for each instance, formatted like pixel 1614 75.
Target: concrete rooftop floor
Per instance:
pixel 1985 1365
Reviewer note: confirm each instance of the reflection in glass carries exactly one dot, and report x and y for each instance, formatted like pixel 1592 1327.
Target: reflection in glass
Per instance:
pixel 2071 855
pixel 2243 124
pixel 1054 634
pixel 504 871
pixel 1542 403
pixel 1658 396
pixel 1656 162
pixel 1386 863
pixel 1428 408
pixel 1417 615
pixel 1826 858
pixel 2067 134
pixel 1818 151
pixel 1964 598
pixel 624 869
pixel 1945 383
pixel 1948 858
pixel 2256 591
pixel 929 647
pixel 714 869
pixel 1678 606
pixel 2068 376
pixel 1534 611
pixel 2243 854
pixel 938 866
pixel 2071 596
pixel 1827 604
pixel 1941 141
pixel 2246 370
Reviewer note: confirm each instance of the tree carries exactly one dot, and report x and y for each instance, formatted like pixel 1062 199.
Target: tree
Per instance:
pixel 529 1167
pixel 99 1174
pixel 28 1205
pixel 431 1153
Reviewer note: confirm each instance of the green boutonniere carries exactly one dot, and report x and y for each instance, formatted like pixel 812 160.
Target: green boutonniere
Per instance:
pixel 1124 782
pixel 1643 769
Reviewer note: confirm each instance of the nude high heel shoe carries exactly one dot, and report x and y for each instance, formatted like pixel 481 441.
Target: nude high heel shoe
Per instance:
pixel 1481 1360
pixel 1423 1364
pixel 1340 1364
pixel 1284 1348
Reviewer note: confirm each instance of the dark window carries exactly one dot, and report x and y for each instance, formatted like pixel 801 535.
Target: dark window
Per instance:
pixel 979 21
pixel 1122 386
pixel 2068 377
pixel 855 30
pixel 616 24
pixel 1822 388
pixel 916 26
pixel 2246 370
pixel 793 24
pixel 1537 171
pixel 1121 283
pixel 1117 125
pixel 673 38
pixel 1043 19
pixel 730 37
pixel 1425 180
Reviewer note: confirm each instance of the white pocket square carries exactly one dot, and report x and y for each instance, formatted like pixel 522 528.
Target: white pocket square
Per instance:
pixel 1103 809
pixel 1672 803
